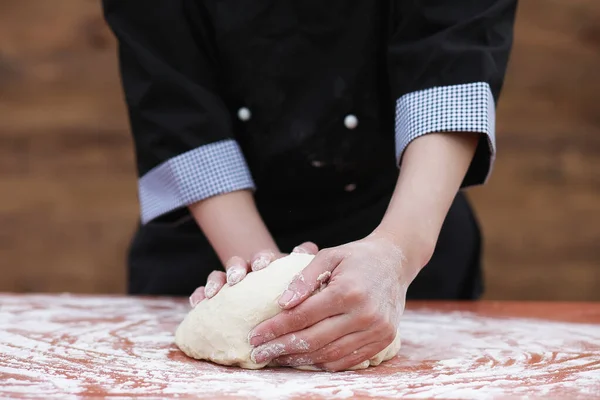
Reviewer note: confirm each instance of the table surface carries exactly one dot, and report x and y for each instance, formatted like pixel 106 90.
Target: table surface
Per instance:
pixel 69 346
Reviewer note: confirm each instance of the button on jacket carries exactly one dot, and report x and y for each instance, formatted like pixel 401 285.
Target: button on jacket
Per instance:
pixel 311 104
pixel 284 96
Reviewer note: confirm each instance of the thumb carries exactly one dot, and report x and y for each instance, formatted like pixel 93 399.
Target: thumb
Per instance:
pixel 310 279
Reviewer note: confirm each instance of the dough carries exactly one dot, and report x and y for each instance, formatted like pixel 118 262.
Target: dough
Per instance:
pixel 217 329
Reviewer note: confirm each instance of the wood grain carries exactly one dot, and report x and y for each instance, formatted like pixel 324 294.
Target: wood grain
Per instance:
pixel 541 209
pixel 67 178
pixel 66 164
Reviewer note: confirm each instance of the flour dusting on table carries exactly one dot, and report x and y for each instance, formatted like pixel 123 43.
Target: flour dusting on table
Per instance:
pixel 72 346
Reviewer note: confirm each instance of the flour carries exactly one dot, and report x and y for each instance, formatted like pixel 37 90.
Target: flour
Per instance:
pixel 217 329
pixel 71 346
pixel 298 344
pixel 235 275
pixel 323 279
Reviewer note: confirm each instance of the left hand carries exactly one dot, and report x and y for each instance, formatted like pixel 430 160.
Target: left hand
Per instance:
pixel 355 317
pixel 237 269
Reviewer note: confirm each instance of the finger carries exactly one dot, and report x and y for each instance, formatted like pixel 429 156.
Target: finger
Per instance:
pixel 329 353
pixel 235 275
pixel 197 296
pixel 306 340
pixel 214 283
pixel 311 278
pixel 237 268
pixel 356 357
pixel 306 248
pixel 262 259
pixel 325 304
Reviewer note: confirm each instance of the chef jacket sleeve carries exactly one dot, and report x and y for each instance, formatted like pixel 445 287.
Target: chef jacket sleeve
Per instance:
pixel 447 61
pixel 182 131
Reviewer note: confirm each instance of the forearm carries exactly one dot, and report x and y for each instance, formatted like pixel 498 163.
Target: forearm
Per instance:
pixel 432 169
pixel 233 225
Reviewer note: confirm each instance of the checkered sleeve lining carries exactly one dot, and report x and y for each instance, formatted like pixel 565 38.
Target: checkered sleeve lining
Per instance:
pixel 459 108
pixel 206 171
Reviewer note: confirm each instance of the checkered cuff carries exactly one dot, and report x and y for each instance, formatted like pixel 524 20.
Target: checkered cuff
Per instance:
pixel 460 108
pixel 206 171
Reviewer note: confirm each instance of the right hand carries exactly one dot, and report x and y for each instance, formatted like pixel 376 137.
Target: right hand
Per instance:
pixel 237 268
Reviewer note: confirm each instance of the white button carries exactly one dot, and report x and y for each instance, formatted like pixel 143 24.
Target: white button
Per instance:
pixel 351 121
pixel 317 164
pixel 244 114
pixel 350 187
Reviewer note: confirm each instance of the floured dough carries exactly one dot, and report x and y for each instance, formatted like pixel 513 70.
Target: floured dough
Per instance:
pixel 217 329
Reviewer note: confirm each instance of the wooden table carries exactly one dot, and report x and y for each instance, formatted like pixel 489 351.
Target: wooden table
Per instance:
pixel 66 346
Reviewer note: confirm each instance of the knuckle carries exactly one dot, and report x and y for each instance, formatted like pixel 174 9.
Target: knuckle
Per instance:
pixel 389 333
pixel 336 295
pixel 389 337
pixel 384 331
pixel 327 253
pixel 368 318
pixel 354 295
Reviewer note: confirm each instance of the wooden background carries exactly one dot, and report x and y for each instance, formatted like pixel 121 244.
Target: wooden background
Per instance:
pixel 67 183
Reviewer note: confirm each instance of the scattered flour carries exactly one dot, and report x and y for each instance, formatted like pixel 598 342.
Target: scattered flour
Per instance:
pixel 72 346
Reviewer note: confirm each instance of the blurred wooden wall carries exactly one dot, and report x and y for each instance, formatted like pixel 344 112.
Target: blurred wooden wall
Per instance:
pixel 67 182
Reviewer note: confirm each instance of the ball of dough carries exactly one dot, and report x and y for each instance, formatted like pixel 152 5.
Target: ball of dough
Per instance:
pixel 217 329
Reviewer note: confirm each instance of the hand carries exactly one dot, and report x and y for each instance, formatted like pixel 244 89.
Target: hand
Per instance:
pixel 355 317
pixel 237 268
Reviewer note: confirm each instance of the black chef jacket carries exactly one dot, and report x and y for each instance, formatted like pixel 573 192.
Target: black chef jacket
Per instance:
pixel 311 105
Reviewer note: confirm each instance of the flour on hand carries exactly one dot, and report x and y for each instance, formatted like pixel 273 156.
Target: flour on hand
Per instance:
pixel 217 329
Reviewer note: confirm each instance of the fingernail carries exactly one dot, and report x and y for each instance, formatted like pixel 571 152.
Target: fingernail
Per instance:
pixel 261 262
pixel 234 275
pixel 258 357
pixel 267 352
pixel 193 302
pixel 210 290
pixel 286 298
pixel 254 338
pixel 299 250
